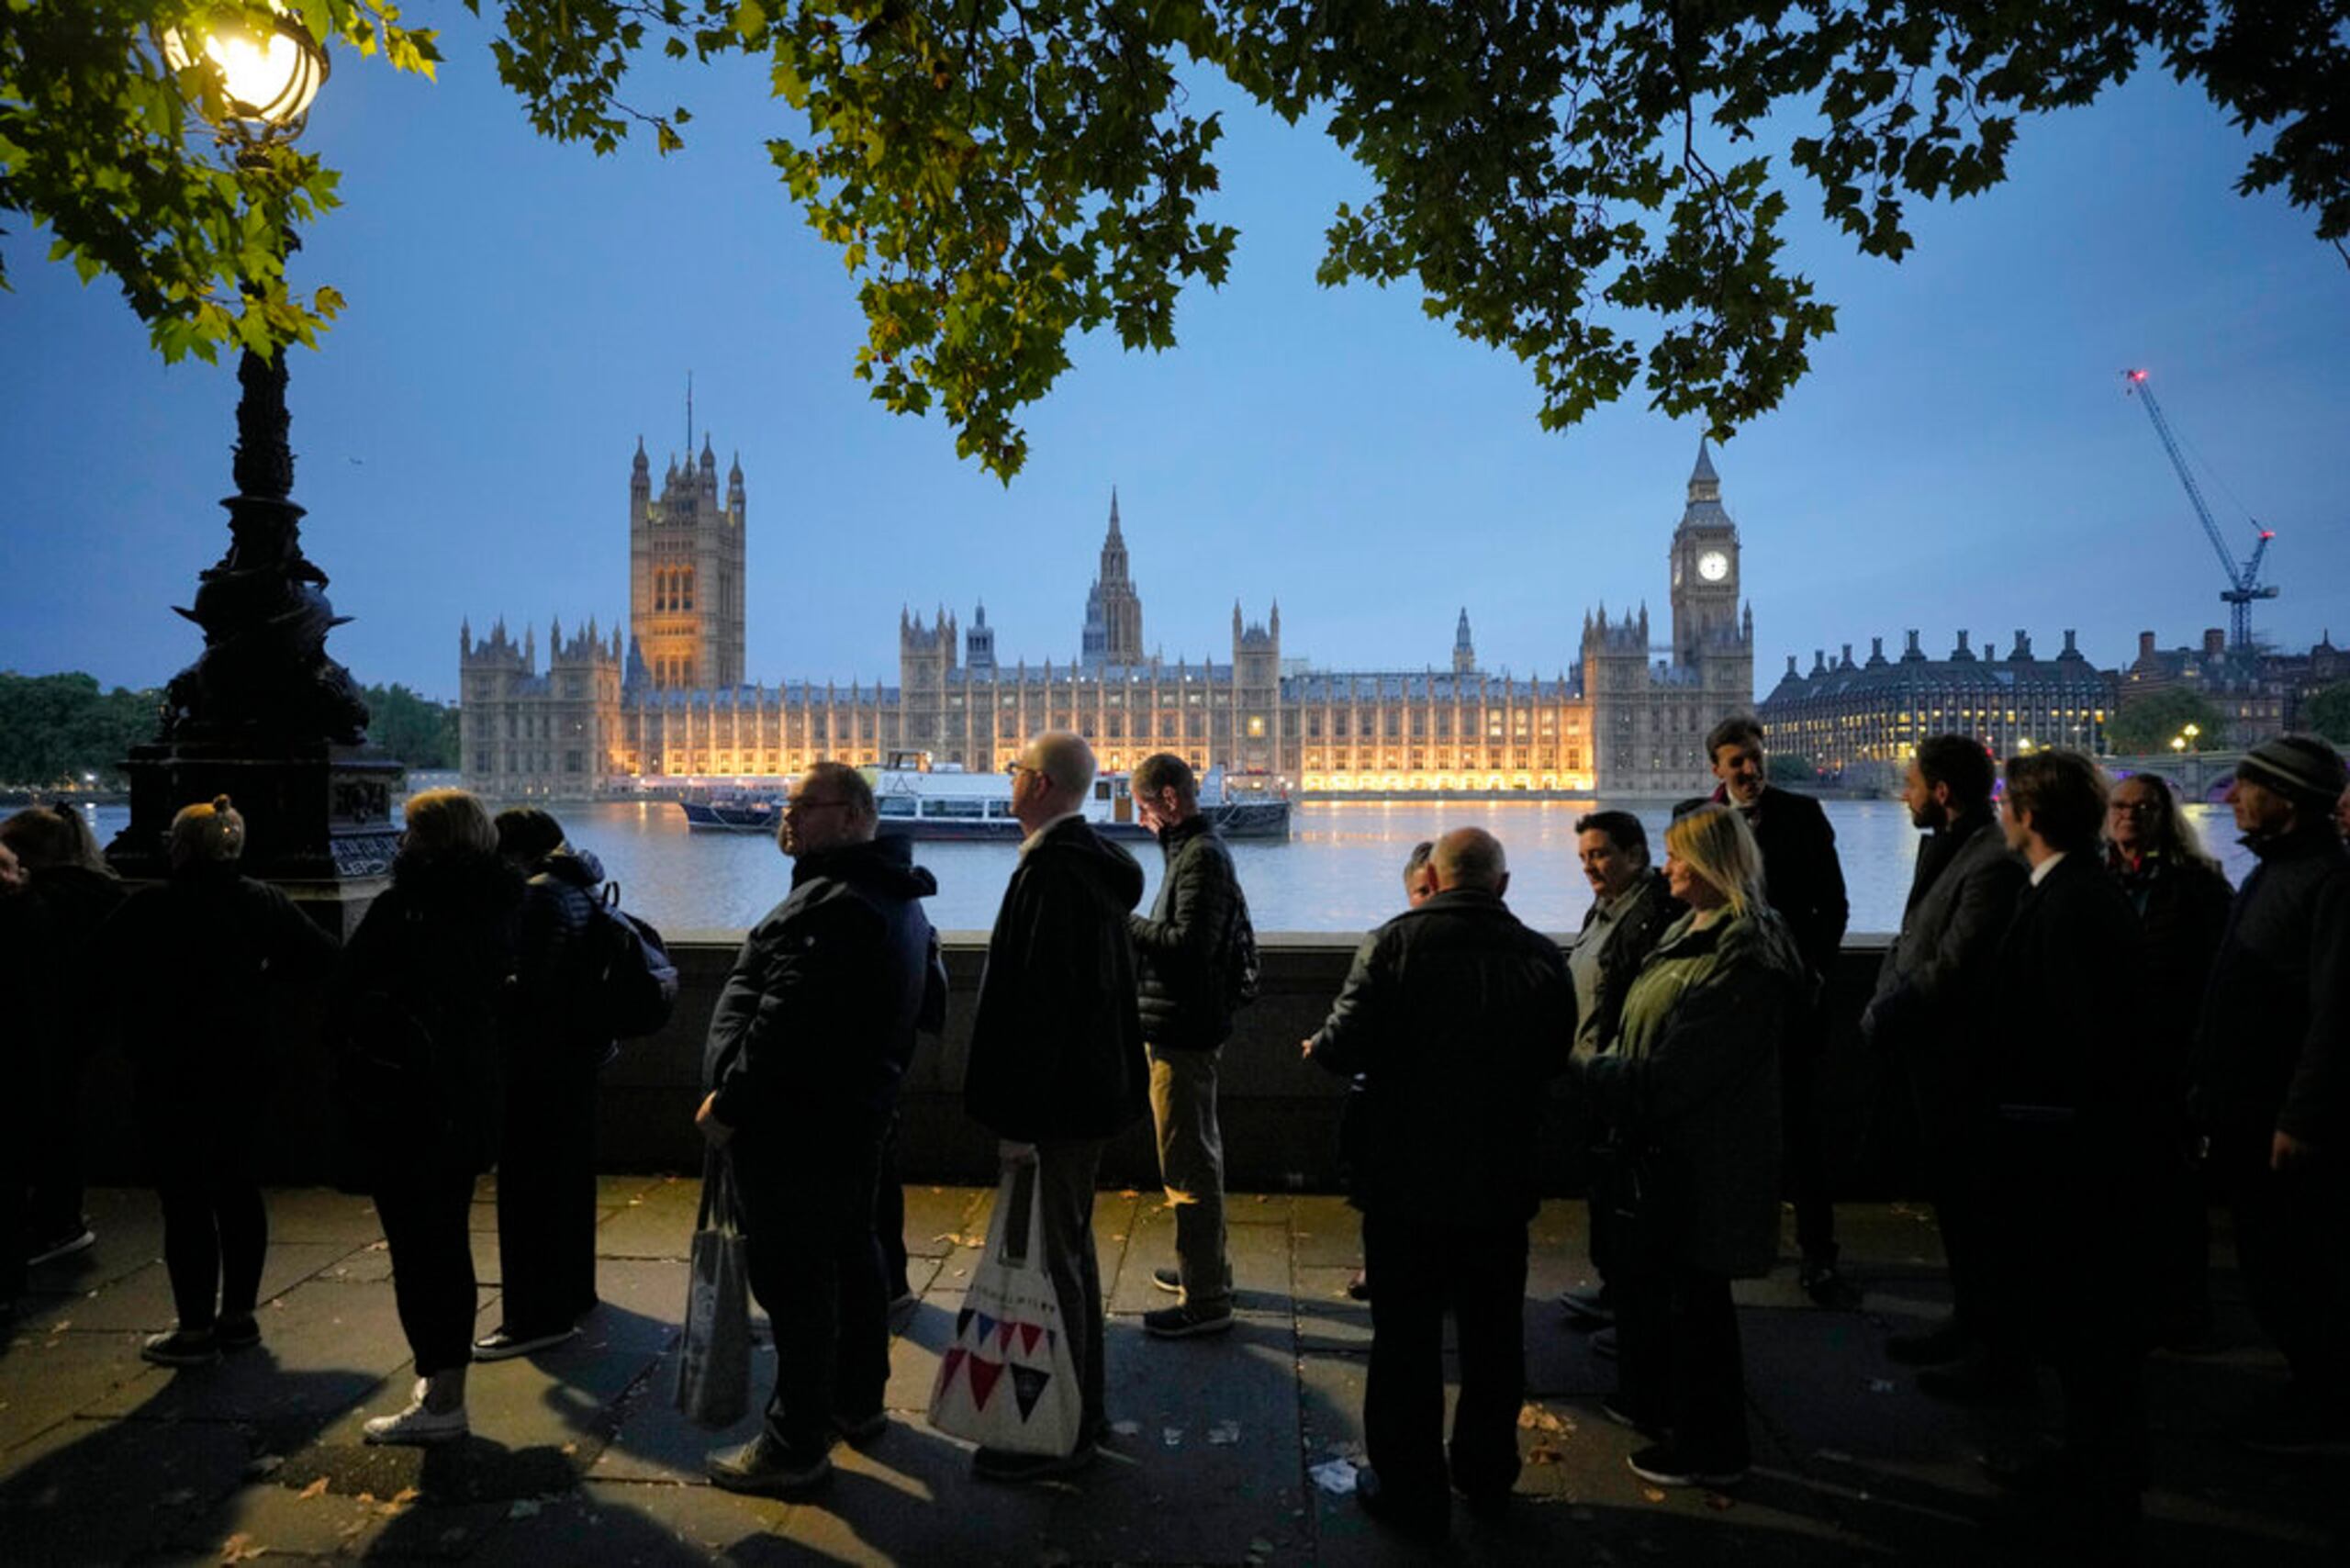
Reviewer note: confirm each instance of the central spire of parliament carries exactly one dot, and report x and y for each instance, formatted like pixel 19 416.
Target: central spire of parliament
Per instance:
pixel 1112 608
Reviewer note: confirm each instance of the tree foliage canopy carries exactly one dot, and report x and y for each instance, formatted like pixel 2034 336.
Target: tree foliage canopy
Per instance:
pixel 58 730
pixel 2328 711
pixel 2146 726
pixel 1581 185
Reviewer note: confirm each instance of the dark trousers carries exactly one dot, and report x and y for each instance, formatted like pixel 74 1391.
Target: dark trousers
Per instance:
pixel 1679 1364
pixel 55 1167
pixel 2293 1246
pixel 424 1216
pixel 1065 1173
pixel 216 1234
pixel 1940 1125
pixel 546 1199
pixel 2069 1207
pixel 890 1217
pixel 1803 1152
pixel 816 1267
pixel 1421 1269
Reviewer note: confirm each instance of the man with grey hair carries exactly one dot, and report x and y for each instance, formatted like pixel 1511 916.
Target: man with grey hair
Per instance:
pixel 1455 1015
pixel 1056 1067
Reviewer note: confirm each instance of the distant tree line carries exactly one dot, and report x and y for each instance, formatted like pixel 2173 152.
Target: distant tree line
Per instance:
pixel 65 731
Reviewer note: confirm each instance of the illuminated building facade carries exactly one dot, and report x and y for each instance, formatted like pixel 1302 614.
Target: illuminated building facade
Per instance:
pixel 1628 718
pixel 1859 722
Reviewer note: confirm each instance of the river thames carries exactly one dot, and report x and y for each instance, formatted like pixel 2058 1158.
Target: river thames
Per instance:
pixel 1341 869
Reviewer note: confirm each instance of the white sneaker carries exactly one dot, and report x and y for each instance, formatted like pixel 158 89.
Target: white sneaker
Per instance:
pixel 419 1427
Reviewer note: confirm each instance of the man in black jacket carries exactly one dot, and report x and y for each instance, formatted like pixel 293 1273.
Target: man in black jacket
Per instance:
pixel 1630 911
pixel 2070 1099
pixel 1806 881
pixel 1056 1067
pixel 1185 952
pixel 1457 1015
pixel 807 1045
pixel 2274 1048
pixel 1931 1004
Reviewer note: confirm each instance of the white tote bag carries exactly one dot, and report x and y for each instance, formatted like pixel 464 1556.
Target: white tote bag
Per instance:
pixel 1007 1380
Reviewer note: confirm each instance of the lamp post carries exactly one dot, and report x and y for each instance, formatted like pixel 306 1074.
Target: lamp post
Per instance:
pixel 264 714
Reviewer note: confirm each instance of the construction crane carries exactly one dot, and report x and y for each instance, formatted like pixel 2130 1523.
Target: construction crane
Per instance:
pixel 2244 582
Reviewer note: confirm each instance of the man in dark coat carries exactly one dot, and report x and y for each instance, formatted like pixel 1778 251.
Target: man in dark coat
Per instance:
pixel 1630 911
pixel 1457 1015
pixel 807 1047
pixel 1185 951
pixel 1806 883
pixel 1056 1066
pixel 2072 1104
pixel 2273 1053
pixel 1931 1004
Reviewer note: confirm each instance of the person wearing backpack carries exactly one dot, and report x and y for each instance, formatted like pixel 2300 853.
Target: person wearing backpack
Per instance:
pixel 1185 951
pixel 417 1009
pixel 556 1044
pixel 208 945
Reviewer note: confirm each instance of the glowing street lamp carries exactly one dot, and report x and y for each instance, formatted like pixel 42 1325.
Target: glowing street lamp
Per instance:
pixel 2178 744
pixel 271 69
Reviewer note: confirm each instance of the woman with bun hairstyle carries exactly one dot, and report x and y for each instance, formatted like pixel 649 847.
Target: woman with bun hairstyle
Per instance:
pixel 210 947
pixel 415 1013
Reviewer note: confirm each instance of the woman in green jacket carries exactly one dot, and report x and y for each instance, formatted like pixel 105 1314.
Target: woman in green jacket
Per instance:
pixel 1689 1088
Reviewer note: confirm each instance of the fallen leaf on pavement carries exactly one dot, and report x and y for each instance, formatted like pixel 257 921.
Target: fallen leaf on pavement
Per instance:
pixel 314 1489
pixel 1652 1493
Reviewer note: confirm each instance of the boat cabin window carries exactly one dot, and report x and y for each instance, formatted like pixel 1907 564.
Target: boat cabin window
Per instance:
pixel 1101 788
pixel 895 806
pixel 998 809
pixel 958 810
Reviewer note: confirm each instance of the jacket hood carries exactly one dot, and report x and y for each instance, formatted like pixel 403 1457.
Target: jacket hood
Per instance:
pixel 573 868
pixel 1114 873
pixel 884 866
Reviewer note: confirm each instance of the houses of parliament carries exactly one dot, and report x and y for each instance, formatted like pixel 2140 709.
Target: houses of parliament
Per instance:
pixel 665 699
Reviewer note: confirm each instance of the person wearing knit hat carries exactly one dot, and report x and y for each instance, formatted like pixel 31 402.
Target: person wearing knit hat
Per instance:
pixel 2273 1053
pixel 2302 766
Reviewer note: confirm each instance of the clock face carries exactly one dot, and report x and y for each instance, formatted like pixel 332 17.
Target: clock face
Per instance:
pixel 1713 566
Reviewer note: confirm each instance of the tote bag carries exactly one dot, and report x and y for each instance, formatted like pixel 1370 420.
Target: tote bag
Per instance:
pixel 714 1363
pixel 1007 1380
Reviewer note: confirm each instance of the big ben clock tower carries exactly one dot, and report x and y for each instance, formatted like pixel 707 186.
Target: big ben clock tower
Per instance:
pixel 1705 573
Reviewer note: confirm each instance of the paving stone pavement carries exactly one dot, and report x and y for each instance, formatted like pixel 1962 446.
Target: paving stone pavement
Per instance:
pixel 1220 1451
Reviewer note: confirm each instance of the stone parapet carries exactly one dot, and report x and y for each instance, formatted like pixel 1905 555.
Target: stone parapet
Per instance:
pixel 1279 1114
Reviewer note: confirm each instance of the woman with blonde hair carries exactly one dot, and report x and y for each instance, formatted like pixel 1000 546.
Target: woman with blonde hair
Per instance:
pixel 210 946
pixel 1689 1091
pixel 415 1012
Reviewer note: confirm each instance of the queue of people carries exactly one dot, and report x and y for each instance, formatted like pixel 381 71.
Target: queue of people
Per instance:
pixel 2089 1035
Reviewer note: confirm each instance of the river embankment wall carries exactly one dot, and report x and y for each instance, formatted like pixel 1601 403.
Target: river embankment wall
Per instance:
pixel 1280 1113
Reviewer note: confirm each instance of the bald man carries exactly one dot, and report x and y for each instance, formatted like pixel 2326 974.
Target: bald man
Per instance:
pixel 1057 1065
pixel 1455 1015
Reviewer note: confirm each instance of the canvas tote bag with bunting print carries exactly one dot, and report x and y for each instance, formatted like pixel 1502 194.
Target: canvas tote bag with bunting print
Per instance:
pixel 1007 1380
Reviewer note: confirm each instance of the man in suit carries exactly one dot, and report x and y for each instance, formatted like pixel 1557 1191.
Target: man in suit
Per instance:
pixel 1932 1002
pixel 2070 1101
pixel 1806 883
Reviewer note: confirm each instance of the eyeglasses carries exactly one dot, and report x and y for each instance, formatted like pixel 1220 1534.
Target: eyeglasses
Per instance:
pixel 2135 808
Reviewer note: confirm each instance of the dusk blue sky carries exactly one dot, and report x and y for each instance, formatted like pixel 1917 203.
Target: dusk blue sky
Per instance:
pixel 1962 453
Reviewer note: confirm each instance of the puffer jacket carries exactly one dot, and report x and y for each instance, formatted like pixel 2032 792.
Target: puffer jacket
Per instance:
pixel 1057 1048
pixel 815 1024
pixel 1455 1015
pixel 1694 1078
pixel 1183 947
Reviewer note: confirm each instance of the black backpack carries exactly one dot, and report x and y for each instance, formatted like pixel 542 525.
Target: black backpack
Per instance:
pixel 1243 975
pixel 632 983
